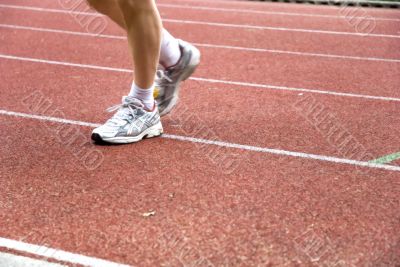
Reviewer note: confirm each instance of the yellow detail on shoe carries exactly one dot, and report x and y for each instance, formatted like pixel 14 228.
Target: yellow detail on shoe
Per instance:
pixel 156 92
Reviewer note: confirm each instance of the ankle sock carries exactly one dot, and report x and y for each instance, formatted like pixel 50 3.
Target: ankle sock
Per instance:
pixel 170 52
pixel 144 95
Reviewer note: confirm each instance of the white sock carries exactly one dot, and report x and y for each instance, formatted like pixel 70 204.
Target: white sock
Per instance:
pixel 170 51
pixel 144 95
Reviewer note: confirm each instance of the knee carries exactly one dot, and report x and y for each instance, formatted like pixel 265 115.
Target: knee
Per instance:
pixel 136 5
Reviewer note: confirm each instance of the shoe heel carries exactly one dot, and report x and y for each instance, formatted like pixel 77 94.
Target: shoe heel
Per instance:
pixel 196 56
pixel 155 131
pixel 194 62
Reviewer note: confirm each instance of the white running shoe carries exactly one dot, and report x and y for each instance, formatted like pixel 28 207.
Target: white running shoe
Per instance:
pixel 167 81
pixel 131 123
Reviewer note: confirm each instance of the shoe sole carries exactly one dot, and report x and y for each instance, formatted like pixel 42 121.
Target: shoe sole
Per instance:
pixel 153 131
pixel 194 62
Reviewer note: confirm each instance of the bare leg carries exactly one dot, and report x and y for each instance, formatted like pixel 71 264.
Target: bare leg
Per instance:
pixel 144 26
pixel 111 9
pixel 170 51
pixel 141 20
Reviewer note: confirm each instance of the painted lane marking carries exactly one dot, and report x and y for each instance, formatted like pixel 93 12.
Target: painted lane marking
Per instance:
pixel 299 53
pixel 118 37
pixel 262 12
pixel 215 24
pixel 221 144
pixel 7 259
pixel 259 3
pixel 38 29
pixel 62 63
pixel 244 84
pixel 57 254
pixel 254 27
pixel 387 158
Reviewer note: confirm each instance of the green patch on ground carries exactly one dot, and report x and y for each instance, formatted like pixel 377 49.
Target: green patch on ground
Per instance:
pixel 387 158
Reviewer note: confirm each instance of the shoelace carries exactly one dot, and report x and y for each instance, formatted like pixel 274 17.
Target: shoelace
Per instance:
pixel 162 78
pixel 127 110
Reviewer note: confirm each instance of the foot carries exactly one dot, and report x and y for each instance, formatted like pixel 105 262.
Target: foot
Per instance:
pixel 130 124
pixel 168 80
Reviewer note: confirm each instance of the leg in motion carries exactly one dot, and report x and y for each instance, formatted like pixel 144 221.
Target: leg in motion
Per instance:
pixel 178 60
pixel 142 22
pixel 110 8
pixel 137 117
pixel 143 26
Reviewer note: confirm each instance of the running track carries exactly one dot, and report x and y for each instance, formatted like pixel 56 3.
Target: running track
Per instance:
pixel 276 156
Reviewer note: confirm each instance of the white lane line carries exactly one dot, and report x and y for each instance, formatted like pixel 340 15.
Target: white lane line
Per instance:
pixel 226 25
pixel 57 254
pixel 50 10
pixel 263 12
pixel 294 89
pixel 52 62
pixel 220 143
pixel 260 3
pixel 47 118
pixel 274 51
pixel 38 29
pixel 7 259
pixel 244 84
pixel 262 50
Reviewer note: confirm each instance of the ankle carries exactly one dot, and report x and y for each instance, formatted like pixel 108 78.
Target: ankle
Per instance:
pixel 144 95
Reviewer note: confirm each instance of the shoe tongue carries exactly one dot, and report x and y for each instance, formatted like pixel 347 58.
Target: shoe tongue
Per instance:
pixel 132 101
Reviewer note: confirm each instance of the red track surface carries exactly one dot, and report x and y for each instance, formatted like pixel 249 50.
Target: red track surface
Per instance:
pixel 262 212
